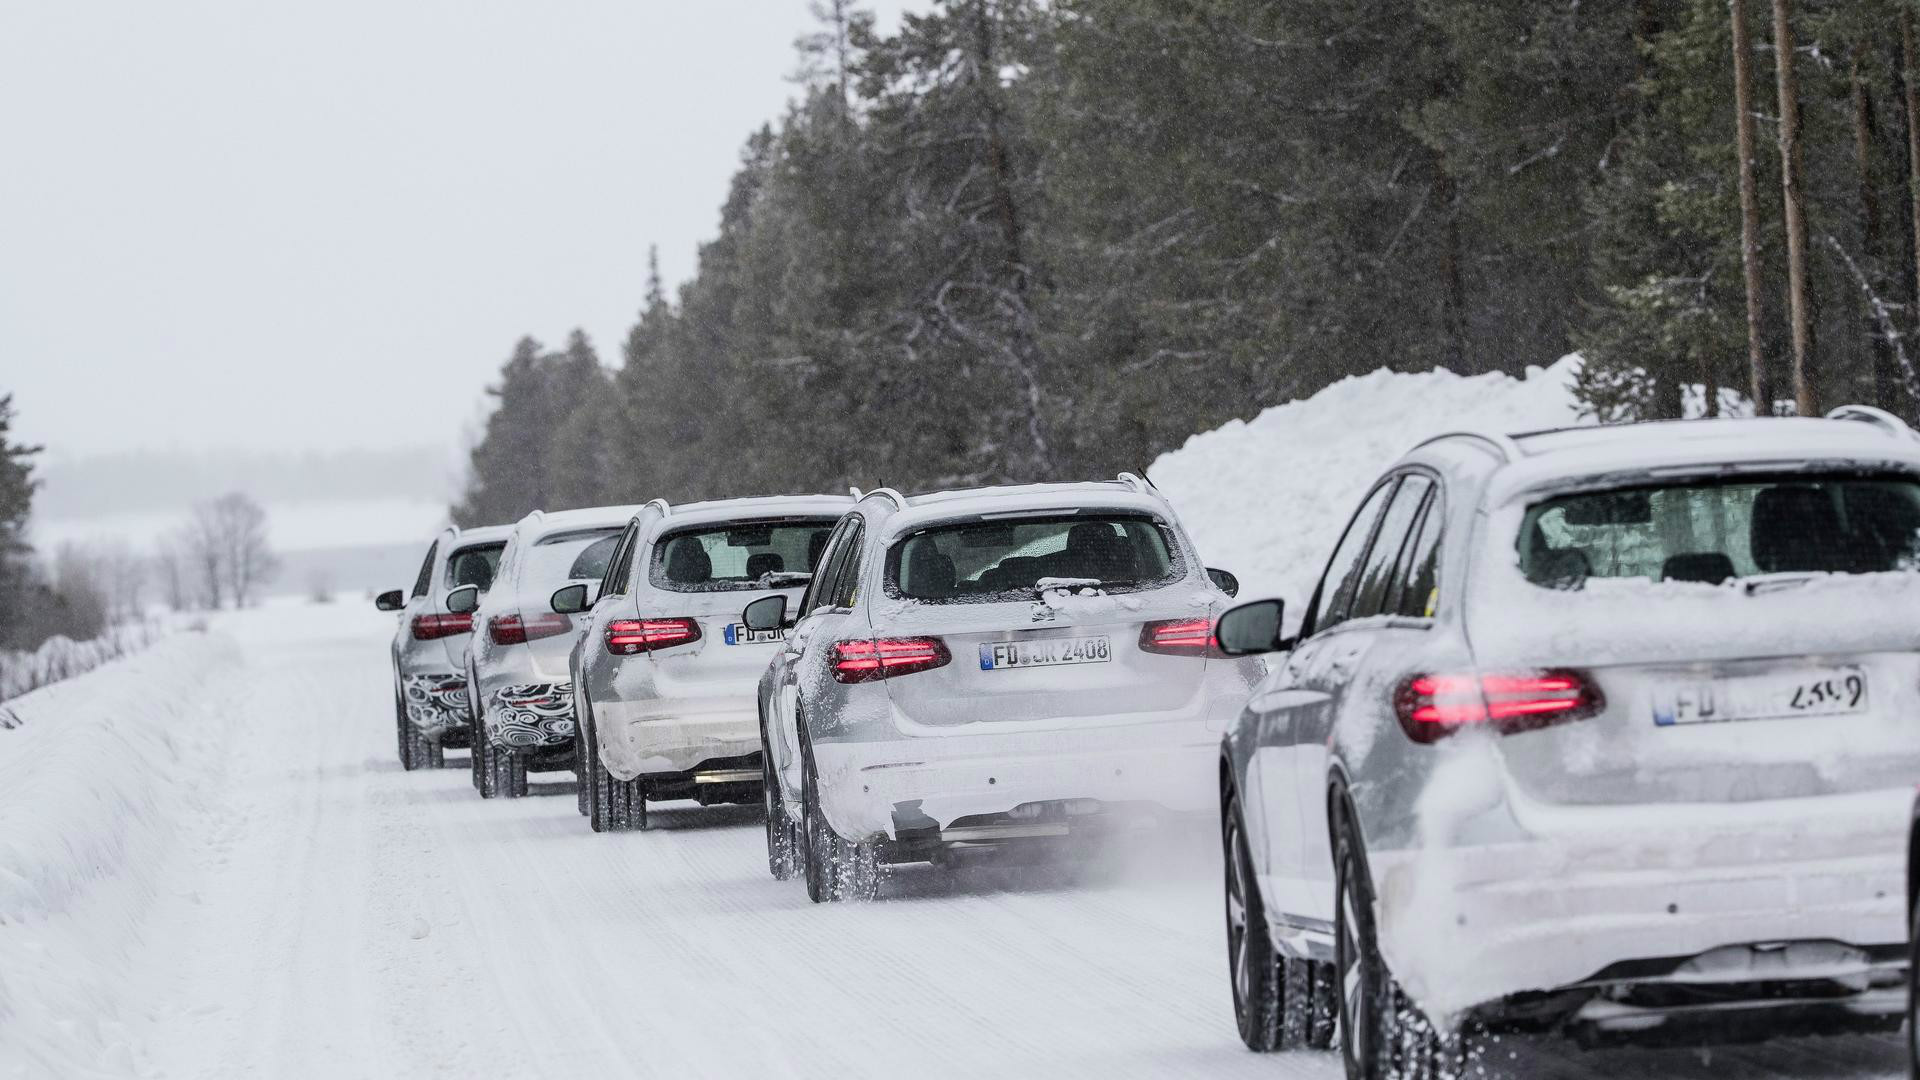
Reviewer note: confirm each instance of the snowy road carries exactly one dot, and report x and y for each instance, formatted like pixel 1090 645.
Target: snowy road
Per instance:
pixel 325 914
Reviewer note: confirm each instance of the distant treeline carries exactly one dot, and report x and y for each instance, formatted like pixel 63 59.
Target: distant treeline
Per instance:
pixel 1018 239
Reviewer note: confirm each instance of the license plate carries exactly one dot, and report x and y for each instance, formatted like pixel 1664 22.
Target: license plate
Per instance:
pixel 1822 692
pixel 1051 652
pixel 740 634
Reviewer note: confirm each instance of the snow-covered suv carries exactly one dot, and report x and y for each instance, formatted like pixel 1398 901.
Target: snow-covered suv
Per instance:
pixel 664 675
pixel 430 644
pixel 988 667
pixel 521 701
pixel 1609 731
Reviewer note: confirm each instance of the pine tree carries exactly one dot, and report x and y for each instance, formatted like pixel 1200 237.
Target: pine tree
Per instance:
pixel 17 485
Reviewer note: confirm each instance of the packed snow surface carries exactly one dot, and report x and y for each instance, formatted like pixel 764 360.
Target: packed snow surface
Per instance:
pixel 1267 498
pixel 211 866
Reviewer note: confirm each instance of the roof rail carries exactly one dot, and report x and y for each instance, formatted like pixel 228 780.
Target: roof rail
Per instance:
pixel 899 500
pixel 666 508
pixel 1879 418
pixel 1138 483
pixel 856 493
pixel 1503 444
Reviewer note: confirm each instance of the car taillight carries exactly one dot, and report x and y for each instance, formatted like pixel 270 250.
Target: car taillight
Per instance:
pixel 626 637
pixel 434 627
pixel 867 659
pixel 514 630
pixel 1179 637
pixel 1431 707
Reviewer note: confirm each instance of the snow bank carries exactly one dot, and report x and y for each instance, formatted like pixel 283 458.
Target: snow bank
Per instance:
pixel 1266 498
pixel 60 658
pixel 94 781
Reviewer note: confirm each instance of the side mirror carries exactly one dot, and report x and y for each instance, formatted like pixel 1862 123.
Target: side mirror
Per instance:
pixel 1224 581
pixel 464 600
pixel 571 600
pixel 391 600
pixel 1251 629
pixel 766 613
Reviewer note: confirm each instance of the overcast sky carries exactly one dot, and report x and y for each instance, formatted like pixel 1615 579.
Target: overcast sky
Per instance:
pixel 234 224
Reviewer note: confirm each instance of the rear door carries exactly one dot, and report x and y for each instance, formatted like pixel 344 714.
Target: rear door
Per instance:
pixel 819 621
pixel 1053 619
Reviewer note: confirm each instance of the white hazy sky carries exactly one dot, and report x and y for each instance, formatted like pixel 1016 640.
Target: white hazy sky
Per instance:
pixel 243 224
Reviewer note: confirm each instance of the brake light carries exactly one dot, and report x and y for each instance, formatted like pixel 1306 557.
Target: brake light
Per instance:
pixel 627 637
pixel 1431 707
pixel 434 627
pixel 1179 637
pixel 867 660
pixel 514 630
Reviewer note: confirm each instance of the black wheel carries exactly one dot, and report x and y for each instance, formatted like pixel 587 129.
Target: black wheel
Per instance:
pixel 477 746
pixel 780 841
pixel 1323 1004
pixel 1913 998
pixel 1383 1035
pixel 509 773
pixel 819 847
pixel 427 754
pixel 404 729
pixel 582 766
pixel 1260 975
pixel 859 873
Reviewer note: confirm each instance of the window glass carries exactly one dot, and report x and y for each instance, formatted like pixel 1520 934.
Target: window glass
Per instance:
pixel 738 555
pixel 1417 589
pixel 1342 576
pixel 424 579
pixel 1003 560
pixel 1383 559
pixel 615 583
pixel 1710 531
pixel 571 556
pixel 830 556
pixel 474 565
pixel 846 585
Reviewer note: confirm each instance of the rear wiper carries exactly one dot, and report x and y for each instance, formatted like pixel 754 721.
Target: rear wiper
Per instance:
pixel 784 579
pixel 1788 579
pixel 1065 584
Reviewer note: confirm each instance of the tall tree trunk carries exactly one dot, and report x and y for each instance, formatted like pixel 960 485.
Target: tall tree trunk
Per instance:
pixel 1757 384
pixel 1022 346
pixel 1886 379
pixel 1446 196
pixel 1909 78
pixel 1791 188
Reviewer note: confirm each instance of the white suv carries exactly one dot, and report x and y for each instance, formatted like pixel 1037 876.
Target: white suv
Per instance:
pixel 1002 666
pixel 430 645
pixel 1604 731
pixel 665 674
pixel 521 699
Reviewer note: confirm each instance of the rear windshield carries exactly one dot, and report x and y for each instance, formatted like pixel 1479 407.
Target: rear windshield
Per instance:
pixel 474 565
pixel 1713 532
pixel 984 561
pixel 737 555
pixel 570 556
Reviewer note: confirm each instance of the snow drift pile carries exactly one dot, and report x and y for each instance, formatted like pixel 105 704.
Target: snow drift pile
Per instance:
pixel 61 657
pixel 95 781
pixel 1266 498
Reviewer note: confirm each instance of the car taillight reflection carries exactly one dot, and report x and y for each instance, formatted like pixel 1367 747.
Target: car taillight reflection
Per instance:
pixel 1431 707
pixel 866 660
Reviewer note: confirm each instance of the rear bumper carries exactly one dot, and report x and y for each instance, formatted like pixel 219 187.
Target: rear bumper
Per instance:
pixel 647 737
pixel 435 701
pixel 870 789
pixel 528 716
pixel 1680 898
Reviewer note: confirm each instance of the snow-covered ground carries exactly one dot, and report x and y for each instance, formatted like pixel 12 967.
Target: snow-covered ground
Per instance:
pixel 211 866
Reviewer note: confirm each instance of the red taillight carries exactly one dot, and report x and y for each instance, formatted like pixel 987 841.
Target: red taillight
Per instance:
pixel 1431 707
pixel 434 627
pixel 1179 637
pixel 626 637
pixel 864 660
pixel 514 630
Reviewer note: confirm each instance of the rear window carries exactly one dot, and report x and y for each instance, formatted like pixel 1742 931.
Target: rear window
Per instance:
pixel 983 561
pixel 1713 532
pixel 474 565
pixel 738 555
pixel 571 556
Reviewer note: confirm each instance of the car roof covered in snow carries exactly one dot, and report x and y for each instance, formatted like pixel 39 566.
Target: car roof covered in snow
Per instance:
pixel 1124 494
pixel 1624 450
pixel 481 534
pixel 541 523
pixel 759 506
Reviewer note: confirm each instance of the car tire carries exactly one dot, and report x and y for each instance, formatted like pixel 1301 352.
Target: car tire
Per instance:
pixel 819 847
pixel 509 773
pixel 1271 993
pixel 404 729
pixel 1383 1035
pixel 477 748
pixel 427 754
pixel 1323 1005
pixel 780 832
pixel 583 776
